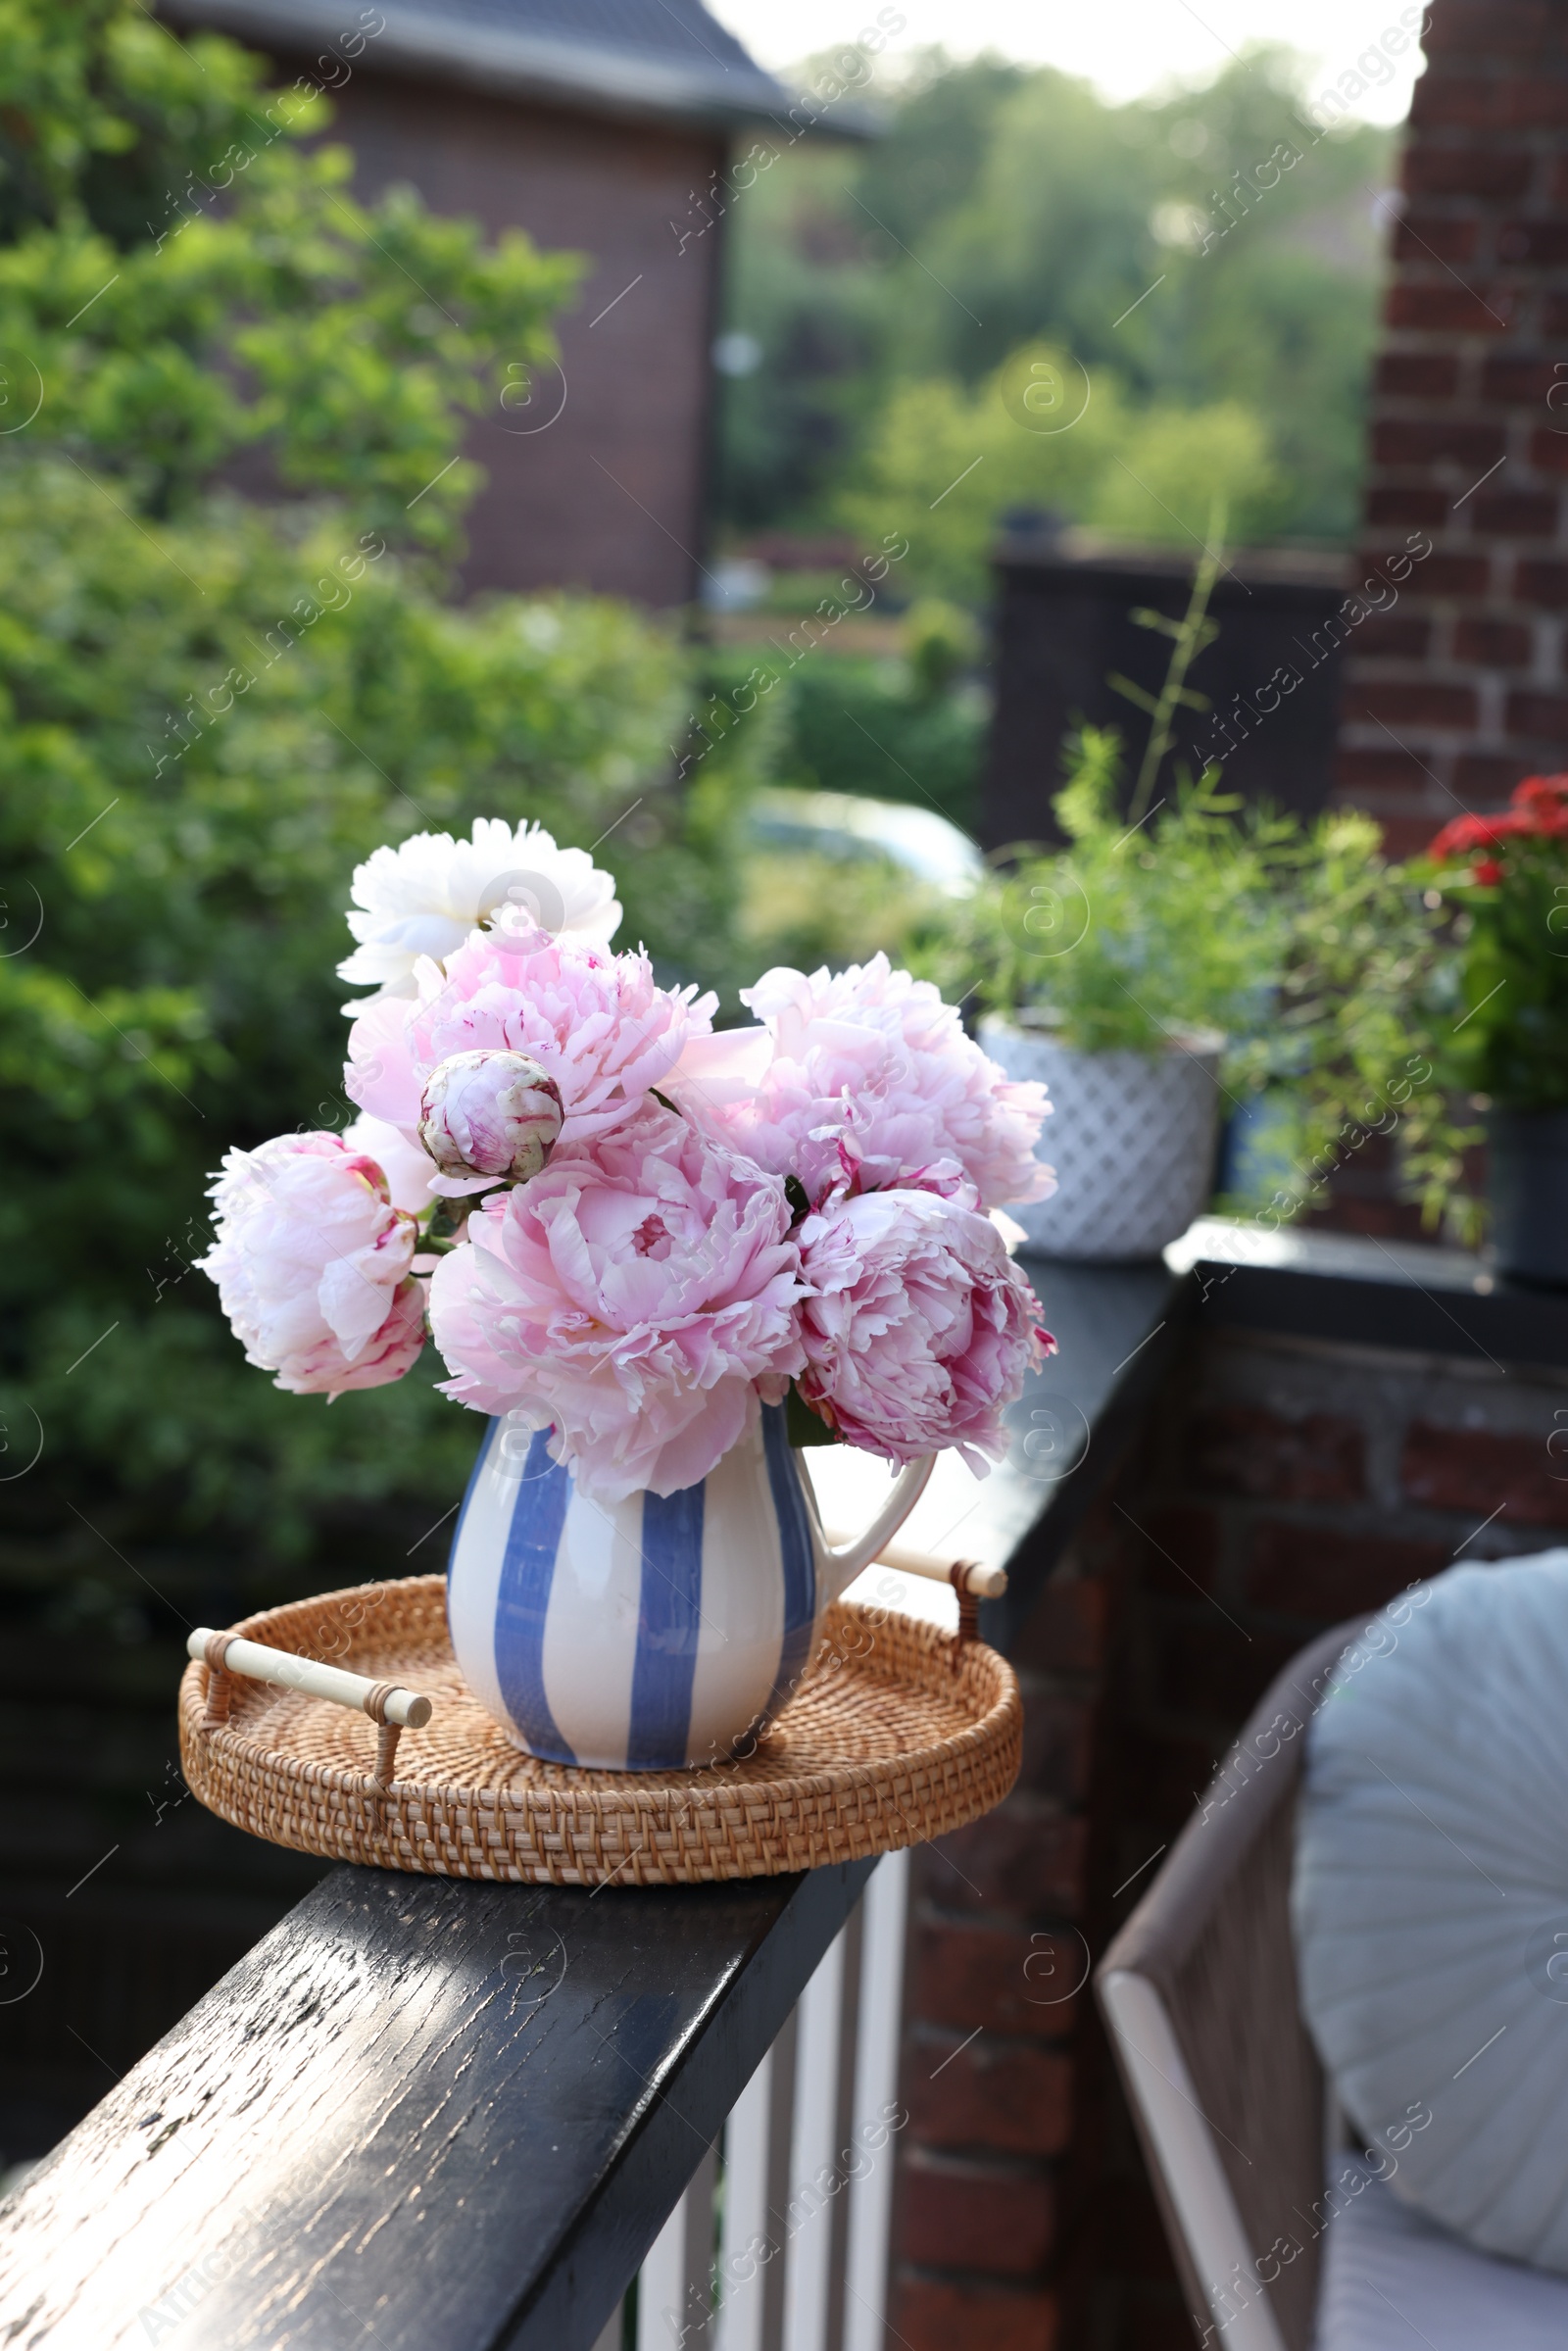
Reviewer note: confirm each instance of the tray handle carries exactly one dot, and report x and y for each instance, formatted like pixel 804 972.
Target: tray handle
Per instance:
pixel 971 1579
pixel 984 1583
pixel 387 1703
pixel 973 1582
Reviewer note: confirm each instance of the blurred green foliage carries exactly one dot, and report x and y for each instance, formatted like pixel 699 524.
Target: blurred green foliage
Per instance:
pixel 1363 1027
pixel 212 707
pixel 1007 209
pixel 805 909
pixel 879 727
pixel 186 283
pixel 955 459
pixel 907 725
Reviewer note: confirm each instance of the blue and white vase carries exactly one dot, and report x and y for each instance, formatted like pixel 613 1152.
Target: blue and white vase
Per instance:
pixel 654 1633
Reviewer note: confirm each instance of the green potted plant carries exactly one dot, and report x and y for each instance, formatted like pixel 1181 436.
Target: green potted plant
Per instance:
pixel 1197 958
pixel 1132 971
pixel 1218 963
pixel 1505 881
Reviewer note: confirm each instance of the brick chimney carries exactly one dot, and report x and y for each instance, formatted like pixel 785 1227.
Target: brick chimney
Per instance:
pixel 1454 687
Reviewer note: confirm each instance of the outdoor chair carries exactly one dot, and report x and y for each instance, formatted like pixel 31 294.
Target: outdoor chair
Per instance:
pixel 1283 2237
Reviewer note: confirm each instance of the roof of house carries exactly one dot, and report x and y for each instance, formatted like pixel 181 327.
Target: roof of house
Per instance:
pixel 649 58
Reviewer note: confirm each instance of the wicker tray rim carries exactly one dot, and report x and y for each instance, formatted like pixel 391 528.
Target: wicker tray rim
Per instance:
pixel 739 1820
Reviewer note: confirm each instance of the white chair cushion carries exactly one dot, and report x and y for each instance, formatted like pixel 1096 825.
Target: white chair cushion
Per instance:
pixel 1431 1901
pixel 1392 2280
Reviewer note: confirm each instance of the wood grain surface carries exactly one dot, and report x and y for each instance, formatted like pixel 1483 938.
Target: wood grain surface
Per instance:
pixel 419 2115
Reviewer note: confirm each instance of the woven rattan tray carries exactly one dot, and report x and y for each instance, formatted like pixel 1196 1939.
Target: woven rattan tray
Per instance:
pixel 899 1732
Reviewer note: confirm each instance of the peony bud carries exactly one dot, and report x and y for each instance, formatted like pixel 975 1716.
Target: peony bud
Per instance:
pixel 488 1116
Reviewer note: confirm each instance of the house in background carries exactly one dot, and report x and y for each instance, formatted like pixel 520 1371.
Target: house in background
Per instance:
pixel 600 126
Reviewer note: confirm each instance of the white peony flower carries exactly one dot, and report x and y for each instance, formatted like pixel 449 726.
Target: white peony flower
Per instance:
pixel 426 896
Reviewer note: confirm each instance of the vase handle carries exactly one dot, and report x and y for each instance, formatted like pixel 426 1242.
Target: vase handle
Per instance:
pixel 846 1561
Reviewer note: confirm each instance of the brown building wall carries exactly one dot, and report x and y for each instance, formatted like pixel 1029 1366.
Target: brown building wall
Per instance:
pixel 610 495
pixel 1457 692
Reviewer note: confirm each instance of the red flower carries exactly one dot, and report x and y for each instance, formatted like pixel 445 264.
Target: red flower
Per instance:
pixel 1487 872
pixel 1538 810
pixel 1544 801
pixel 1464 834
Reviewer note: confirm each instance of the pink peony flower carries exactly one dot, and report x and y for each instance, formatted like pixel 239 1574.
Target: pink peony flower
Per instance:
pixel 918 1328
pixel 486 1116
pixel 637 1293
pixel 312 1264
pixel 865 1078
pixel 595 1022
pixel 408 1167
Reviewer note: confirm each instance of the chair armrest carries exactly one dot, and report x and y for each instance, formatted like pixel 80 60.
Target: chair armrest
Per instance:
pixel 1200 1991
pixel 1205 2230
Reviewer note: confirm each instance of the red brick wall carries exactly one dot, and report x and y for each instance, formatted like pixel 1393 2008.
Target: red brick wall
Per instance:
pixel 988 2206
pixel 1457 691
pixel 1279 1487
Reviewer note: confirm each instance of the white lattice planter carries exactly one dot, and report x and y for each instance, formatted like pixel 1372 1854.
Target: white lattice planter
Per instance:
pixel 1132 1139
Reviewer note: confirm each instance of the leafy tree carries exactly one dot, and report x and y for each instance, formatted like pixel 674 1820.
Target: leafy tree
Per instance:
pixel 1175 250
pixel 934 147
pixel 1050 238
pixel 214 705
pixel 946 463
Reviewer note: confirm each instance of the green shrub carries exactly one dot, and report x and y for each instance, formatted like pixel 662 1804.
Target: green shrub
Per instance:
pixel 213 708
pixel 855 725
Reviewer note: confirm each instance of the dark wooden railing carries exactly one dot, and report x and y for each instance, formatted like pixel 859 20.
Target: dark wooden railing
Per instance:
pixel 420 2114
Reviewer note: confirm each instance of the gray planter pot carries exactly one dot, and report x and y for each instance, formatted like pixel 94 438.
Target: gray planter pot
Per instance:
pixel 1527 1190
pixel 1132 1139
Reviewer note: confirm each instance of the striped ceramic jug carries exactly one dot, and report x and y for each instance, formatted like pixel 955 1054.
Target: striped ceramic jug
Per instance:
pixel 652 1632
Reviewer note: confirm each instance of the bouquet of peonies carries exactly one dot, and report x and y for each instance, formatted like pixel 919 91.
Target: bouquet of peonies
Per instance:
pixel 621 1223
